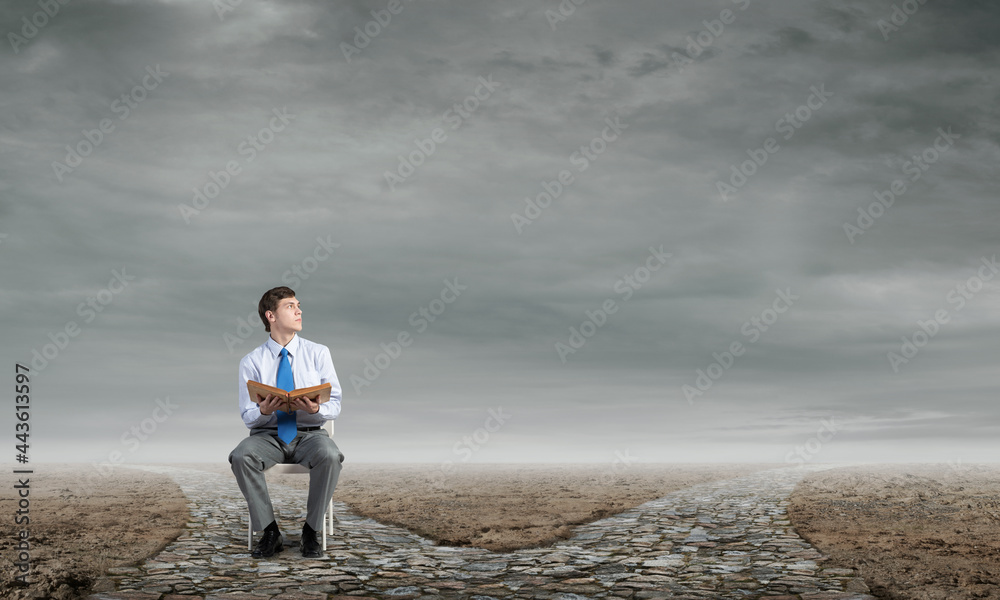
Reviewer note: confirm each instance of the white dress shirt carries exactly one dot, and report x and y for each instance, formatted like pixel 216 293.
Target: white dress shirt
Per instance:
pixel 311 365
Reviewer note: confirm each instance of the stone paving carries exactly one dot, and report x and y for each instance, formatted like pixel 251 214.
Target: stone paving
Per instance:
pixel 727 540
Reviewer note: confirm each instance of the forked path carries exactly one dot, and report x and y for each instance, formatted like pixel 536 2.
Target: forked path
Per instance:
pixel 727 539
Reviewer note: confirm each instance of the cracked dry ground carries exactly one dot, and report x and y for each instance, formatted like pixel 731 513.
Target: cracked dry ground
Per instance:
pixel 724 539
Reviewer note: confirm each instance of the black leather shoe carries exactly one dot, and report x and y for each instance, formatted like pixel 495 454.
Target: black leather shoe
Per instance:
pixel 310 547
pixel 269 544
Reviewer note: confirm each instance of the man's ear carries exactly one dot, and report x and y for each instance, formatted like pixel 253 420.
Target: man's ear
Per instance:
pixel 270 316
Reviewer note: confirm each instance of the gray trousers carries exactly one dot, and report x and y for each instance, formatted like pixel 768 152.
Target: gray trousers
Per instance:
pixel 262 449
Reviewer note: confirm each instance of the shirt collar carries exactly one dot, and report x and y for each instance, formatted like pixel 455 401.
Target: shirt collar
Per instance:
pixel 275 347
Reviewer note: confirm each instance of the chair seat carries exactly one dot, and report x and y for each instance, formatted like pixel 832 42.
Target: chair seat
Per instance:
pixel 283 468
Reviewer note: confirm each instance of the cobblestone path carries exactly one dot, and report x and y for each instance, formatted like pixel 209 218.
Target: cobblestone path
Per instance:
pixel 727 539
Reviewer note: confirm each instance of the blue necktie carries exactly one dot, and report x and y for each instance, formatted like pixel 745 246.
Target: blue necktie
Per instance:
pixel 286 421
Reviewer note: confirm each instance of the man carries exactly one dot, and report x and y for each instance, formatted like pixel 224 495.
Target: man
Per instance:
pixel 286 361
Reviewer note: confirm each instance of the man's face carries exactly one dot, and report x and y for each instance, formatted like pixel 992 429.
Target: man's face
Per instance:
pixel 287 316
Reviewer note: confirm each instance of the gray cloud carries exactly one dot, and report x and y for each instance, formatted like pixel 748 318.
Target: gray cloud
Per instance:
pixel 180 326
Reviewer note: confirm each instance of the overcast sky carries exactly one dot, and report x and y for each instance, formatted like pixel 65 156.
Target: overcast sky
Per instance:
pixel 595 206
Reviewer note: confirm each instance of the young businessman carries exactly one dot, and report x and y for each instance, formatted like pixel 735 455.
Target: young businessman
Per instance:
pixel 290 362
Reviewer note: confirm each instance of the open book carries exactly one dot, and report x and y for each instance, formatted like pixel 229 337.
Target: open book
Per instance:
pixel 317 393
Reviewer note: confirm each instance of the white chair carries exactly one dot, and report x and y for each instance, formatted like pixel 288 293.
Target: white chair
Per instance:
pixel 284 468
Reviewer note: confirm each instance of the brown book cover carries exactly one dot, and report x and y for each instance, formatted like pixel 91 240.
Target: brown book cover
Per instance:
pixel 317 393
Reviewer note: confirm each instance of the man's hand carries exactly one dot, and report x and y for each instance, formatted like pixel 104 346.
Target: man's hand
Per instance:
pixel 303 403
pixel 270 404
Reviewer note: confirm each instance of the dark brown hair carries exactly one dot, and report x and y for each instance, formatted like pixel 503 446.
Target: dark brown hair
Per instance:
pixel 269 302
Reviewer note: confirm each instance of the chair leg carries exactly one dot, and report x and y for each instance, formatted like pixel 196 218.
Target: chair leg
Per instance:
pixel 324 529
pixel 249 532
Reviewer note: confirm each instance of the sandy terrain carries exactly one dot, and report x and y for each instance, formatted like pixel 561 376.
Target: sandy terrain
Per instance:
pixel 83 522
pixel 919 532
